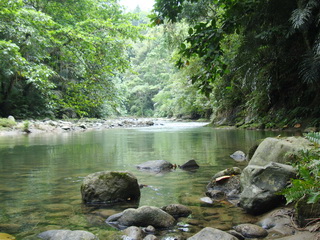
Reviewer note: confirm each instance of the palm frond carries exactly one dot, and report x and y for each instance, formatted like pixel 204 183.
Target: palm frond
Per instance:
pixel 310 68
pixel 300 17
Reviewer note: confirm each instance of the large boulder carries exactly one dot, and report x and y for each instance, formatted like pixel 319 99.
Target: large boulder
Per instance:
pixel 142 217
pixel 261 186
pixel 267 173
pixel 209 233
pixel 278 149
pixel 110 187
pixel 67 235
pixel 155 166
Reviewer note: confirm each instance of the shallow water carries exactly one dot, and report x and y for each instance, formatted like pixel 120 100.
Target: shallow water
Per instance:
pixel 41 175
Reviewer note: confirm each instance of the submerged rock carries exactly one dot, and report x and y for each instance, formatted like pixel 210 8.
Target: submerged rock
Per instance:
pixel 67 235
pixel 155 166
pixel 143 217
pixel 110 187
pixel 177 210
pixel 212 233
pixel 251 231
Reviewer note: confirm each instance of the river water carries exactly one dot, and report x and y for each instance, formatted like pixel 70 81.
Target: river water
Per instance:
pixel 41 175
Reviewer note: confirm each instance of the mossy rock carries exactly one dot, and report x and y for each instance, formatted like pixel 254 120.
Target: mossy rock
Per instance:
pixel 109 187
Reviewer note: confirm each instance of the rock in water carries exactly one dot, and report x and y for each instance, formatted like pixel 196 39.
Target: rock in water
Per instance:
pixel 251 231
pixel 238 156
pixel 276 150
pixel 261 186
pixel 143 217
pixel 267 173
pixel 133 232
pixel 177 210
pixel 67 235
pixel 191 164
pixel 155 166
pixel 212 233
pixel 110 187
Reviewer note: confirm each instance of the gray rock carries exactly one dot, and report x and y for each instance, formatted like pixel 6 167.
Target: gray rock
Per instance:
pixel 110 187
pixel 149 229
pixel 236 234
pixel 65 127
pixel 67 235
pixel 277 150
pixel 150 237
pixel 251 231
pixel 238 156
pixel 228 188
pixel 216 194
pixel 261 184
pixel 302 236
pixel 155 166
pixel 145 216
pixel 177 210
pixel 133 233
pixel 191 164
pixel 209 233
pixel 279 221
pixel 11 118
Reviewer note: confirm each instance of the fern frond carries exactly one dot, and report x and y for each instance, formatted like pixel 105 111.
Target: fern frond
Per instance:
pixel 310 68
pixel 300 17
pixel 314 137
pixel 313 4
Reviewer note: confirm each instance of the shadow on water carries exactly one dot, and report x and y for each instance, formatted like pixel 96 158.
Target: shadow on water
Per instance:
pixel 41 175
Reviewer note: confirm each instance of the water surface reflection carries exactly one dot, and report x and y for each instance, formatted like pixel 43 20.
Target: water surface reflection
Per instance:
pixel 41 175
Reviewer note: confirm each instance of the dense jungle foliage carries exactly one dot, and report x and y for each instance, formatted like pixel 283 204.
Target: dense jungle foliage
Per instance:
pixel 259 59
pixel 243 62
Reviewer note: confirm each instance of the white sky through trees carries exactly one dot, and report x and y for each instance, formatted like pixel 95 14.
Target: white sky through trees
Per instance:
pixel 145 5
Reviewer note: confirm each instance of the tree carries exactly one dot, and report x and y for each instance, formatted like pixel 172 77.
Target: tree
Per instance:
pixel 266 61
pixel 70 53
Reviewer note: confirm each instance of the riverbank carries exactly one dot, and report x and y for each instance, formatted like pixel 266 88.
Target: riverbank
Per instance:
pixel 72 125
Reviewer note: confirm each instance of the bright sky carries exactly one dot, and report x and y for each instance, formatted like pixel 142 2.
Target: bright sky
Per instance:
pixel 145 5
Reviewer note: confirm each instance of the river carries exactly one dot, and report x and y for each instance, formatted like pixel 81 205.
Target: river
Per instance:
pixel 41 175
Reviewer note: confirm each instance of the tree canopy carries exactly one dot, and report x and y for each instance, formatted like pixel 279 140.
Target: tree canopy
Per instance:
pixel 60 57
pixel 258 58
pixel 243 61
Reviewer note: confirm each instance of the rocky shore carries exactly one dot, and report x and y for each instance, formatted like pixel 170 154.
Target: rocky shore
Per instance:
pixel 72 125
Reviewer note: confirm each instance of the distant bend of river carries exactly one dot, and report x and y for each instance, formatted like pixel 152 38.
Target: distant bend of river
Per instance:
pixel 41 175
